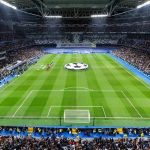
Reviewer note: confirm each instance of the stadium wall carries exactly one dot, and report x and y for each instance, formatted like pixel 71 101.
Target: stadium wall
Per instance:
pixel 79 50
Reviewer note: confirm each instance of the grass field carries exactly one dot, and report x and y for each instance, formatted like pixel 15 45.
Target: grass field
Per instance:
pixel 112 95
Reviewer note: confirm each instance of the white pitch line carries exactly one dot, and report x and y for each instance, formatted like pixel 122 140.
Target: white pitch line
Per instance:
pixel 76 110
pixel 75 122
pixel 137 118
pixel 104 111
pixel 76 117
pixel 78 106
pixel 85 90
pixel 55 117
pixel 22 104
pixel 96 67
pixel 131 103
pixel 132 74
pixel 5 116
pixel 135 77
pixel 89 116
pixel 138 79
pixel 49 112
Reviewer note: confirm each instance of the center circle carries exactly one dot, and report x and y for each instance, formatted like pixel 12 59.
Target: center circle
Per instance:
pixel 76 66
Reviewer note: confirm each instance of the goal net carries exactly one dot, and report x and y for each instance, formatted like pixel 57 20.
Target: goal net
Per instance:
pixel 76 116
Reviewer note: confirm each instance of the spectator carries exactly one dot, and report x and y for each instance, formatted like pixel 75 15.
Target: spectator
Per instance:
pixel 140 59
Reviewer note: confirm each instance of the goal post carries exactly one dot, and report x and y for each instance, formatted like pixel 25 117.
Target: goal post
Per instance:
pixel 76 116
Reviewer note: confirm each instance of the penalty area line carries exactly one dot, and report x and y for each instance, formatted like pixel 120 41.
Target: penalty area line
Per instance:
pixel 126 97
pixel 22 104
pixel 104 111
pixel 49 112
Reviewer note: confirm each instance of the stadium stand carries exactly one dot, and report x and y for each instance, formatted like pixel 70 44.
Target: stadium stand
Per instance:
pixel 22 39
pixel 137 58
pixel 74 138
pixel 69 144
pixel 11 68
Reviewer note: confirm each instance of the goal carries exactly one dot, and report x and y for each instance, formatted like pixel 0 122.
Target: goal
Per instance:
pixel 76 116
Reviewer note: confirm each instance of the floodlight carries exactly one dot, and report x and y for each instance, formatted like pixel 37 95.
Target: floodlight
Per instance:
pixel 53 16
pixel 99 15
pixel 144 4
pixel 7 4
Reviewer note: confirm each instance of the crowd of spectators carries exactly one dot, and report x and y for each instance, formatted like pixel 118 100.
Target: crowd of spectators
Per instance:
pixel 139 59
pixel 6 36
pixel 29 143
pixel 135 43
pixel 23 54
pixel 50 41
pixel 61 139
pixel 86 40
pixel 18 55
pixel 16 44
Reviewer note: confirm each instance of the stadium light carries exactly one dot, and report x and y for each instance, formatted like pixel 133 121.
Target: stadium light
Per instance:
pixel 53 16
pixel 100 15
pixel 7 4
pixel 144 4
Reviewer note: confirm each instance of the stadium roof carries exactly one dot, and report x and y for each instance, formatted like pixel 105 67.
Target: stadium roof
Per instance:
pixel 75 8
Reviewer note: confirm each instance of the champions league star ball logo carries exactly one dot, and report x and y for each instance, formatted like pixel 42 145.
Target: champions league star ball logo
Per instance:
pixel 76 66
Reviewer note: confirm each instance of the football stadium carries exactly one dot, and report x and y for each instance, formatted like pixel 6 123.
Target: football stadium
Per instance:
pixel 75 74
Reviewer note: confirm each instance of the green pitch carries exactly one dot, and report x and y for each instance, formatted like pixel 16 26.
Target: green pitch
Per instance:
pixel 109 94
